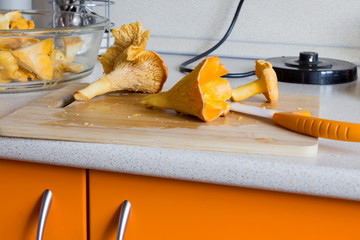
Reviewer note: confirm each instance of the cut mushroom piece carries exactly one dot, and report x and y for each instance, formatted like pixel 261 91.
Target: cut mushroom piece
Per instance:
pixel 72 47
pixel 13 16
pixel 61 64
pixel 4 22
pixel 8 66
pixel 15 43
pixel 73 67
pixel 14 20
pixel 36 58
pixel 9 70
pixel 24 75
pixel 22 23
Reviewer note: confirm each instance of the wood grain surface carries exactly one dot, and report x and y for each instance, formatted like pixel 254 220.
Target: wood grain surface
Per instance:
pixel 118 118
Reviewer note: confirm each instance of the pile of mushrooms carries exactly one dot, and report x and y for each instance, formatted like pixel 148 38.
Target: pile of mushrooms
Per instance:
pixel 201 93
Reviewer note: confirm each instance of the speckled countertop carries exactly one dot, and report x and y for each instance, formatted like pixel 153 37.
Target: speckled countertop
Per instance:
pixel 335 171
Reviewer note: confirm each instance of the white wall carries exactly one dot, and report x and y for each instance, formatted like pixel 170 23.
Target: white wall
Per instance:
pixel 264 29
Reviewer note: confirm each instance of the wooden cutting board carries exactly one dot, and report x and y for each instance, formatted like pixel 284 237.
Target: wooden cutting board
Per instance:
pixel 118 118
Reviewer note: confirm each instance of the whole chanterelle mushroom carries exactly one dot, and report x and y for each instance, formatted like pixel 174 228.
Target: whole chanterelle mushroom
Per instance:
pixel 128 66
pixel 266 84
pixel 201 93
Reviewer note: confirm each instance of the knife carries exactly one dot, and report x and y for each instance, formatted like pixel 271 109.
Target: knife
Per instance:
pixel 302 122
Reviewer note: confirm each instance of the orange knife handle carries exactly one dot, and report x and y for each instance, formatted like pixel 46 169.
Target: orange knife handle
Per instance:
pixel 318 127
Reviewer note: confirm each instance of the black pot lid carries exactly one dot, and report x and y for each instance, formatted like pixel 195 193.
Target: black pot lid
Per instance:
pixel 308 68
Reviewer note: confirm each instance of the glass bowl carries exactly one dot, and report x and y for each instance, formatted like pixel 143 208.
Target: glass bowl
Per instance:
pixel 75 37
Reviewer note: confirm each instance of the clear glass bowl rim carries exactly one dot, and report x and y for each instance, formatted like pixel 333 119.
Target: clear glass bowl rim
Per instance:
pixel 98 26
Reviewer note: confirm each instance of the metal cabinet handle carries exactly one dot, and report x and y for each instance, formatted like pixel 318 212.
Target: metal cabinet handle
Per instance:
pixel 123 219
pixel 44 211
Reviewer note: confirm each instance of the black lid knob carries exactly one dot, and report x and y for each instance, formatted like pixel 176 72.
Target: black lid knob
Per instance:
pixel 308 58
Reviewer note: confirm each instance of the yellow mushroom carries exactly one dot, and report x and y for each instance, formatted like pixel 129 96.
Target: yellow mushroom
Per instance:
pixel 14 43
pixel 266 84
pixel 4 22
pixel 72 46
pixel 201 93
pixel 22 23
pixel 9 69
pixel 127 35
pixel 14 20
pixel 128 66
pixel 36 58
pixel 8 66
pixel 146 73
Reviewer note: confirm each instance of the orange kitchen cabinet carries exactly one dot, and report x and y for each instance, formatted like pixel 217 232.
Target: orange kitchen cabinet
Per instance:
pixel 21 188
pixel 164 209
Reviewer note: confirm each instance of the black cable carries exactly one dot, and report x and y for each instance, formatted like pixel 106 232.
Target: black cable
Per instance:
pixel 183 67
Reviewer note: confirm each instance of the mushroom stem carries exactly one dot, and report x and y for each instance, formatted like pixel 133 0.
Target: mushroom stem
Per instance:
pixel 248 90
pixel 101 86
pixel 158 100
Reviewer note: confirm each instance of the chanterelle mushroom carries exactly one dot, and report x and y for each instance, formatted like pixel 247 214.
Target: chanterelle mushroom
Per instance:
pixel 201 93
pixel 14 20
pixel 72 45
pixel 9 69
pixel 127 35
pixel 8 66
pixel 36 58
pixel 266 84
pixel 128 66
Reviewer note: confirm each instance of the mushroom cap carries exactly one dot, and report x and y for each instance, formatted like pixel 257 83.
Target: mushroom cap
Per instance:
pixel 128 35
pixel 215 90
pixel 265 71
pixel 146 73
pixel 127 66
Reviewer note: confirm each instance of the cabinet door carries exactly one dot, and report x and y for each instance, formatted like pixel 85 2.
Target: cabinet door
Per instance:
pixel 164 209
pixel 21 189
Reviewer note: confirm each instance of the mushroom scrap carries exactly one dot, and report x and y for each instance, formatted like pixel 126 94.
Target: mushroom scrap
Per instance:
pixel 128 66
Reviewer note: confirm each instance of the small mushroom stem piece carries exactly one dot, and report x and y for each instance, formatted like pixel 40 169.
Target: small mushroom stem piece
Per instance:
pixel 266 84
pixel 248 90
